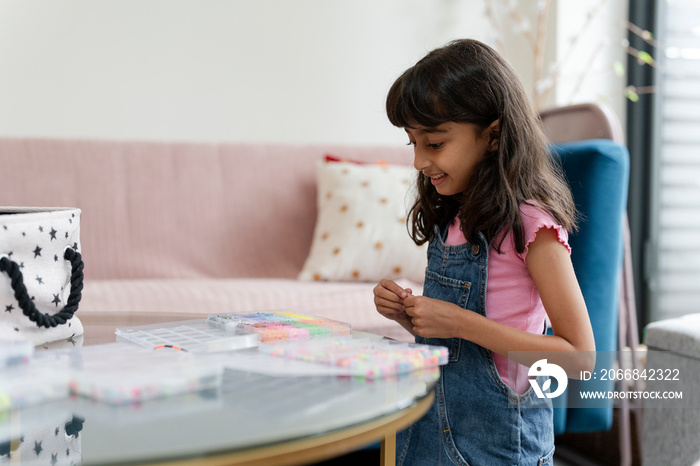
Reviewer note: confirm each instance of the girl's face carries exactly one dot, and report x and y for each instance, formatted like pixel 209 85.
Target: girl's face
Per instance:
pixel 448 153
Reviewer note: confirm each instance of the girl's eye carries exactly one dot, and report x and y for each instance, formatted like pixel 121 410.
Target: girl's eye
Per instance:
pixel 437 145
pixel 411 143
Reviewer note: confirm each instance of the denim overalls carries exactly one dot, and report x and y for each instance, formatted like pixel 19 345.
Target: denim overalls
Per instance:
pixel 476 418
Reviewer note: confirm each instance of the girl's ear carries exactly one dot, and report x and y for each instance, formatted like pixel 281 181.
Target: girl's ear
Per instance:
pixel 493 133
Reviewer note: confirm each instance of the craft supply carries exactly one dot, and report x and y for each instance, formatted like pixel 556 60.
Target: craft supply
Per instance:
pixel 119 373
pixel 198 335
pixel 282 325
pixel 24 381
pixel 13 353
pixel 362 356
pixel 170 346
pixel 31 384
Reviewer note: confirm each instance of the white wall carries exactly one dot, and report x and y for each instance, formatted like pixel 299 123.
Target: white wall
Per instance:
pixel 588 48
pixel 289 71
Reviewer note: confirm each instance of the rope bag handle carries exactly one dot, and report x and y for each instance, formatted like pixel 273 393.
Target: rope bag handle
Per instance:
pixel 27 305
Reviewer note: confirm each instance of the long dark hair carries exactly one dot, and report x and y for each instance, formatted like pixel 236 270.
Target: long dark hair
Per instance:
pixel 468 82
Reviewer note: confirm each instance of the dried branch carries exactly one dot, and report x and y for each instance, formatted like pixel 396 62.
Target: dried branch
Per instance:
pixel 539 48
pixel 556 70
pixel 643 58
pixel 584 74
pixel 491 16
pixel 646 36
pixel 522 23
pixel 544 81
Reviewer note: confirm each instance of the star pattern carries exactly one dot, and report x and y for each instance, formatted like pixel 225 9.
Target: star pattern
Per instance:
pixel 37 249
pixel 58 450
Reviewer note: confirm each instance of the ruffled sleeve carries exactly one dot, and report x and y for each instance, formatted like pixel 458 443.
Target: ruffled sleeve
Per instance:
pixel 534 219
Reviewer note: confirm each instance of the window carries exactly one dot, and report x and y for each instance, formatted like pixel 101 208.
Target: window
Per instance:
pixel 674 247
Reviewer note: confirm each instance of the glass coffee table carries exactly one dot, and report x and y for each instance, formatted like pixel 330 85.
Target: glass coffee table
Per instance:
pixel 254 418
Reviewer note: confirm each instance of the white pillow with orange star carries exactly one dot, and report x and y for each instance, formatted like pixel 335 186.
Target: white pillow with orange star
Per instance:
pixel 361 232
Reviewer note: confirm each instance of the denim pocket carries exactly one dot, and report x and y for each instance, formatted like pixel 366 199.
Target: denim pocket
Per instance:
pixel 451 290
pixel 446 288
pixel 547 460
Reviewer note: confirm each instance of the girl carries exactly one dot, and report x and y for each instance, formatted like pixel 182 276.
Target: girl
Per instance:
pixel 495 211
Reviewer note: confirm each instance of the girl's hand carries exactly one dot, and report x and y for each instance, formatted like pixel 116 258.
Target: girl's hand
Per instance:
pixel 433 318
pixel 389 300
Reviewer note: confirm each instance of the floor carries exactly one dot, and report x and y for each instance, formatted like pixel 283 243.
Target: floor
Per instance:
pixel 562 462
pixel 370 457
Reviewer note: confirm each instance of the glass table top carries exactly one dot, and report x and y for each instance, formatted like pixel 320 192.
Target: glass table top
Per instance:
pixel 247 410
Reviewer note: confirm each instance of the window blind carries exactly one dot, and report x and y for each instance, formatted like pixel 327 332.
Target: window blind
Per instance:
pixel 676 268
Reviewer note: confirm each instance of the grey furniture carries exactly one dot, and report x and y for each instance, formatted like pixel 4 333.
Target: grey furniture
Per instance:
pixel 671 434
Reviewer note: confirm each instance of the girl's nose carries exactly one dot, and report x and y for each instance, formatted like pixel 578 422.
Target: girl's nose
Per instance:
pixel 420 162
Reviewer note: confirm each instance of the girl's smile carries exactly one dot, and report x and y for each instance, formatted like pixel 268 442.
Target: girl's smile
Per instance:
pixel 447 153
pixel 437 179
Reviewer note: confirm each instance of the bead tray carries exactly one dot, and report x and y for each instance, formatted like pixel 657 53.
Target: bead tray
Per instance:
pixel 13 353
pixel 30 384
pixel 118 373
pixel 198 335
pixel 282 325
pixel 361 356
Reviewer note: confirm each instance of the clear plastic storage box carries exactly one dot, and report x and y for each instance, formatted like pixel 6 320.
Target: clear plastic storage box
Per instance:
pixel 282 325
pixel 118 373
pixel 13 353
pixel 31 384
pixel 362 356
pixel 198 335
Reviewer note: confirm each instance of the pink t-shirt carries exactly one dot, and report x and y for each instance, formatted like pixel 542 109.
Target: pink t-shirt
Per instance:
pixel 511 295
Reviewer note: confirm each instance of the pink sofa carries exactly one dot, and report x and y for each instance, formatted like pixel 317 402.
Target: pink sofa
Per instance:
pixel 193 227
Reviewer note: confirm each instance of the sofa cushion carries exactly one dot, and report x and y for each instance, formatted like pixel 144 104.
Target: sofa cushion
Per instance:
pixel 360 232
pixel 345 302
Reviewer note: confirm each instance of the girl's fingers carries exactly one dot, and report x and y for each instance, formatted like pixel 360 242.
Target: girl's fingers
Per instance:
pixel 388 298
pixel 389 304
pixel 391 313
pixel 394 288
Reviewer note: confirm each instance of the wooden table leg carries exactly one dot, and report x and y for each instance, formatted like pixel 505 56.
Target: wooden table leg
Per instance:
pixel 388 450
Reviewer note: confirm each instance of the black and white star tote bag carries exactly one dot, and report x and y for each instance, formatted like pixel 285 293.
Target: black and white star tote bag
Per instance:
pixel 41 274
pixel 48 443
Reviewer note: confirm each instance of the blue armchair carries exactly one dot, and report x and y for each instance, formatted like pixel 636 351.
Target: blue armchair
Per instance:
pixel 602 187
pixel 597 171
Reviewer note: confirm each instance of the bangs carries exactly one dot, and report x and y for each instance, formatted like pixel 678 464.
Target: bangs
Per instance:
pixel 412 100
